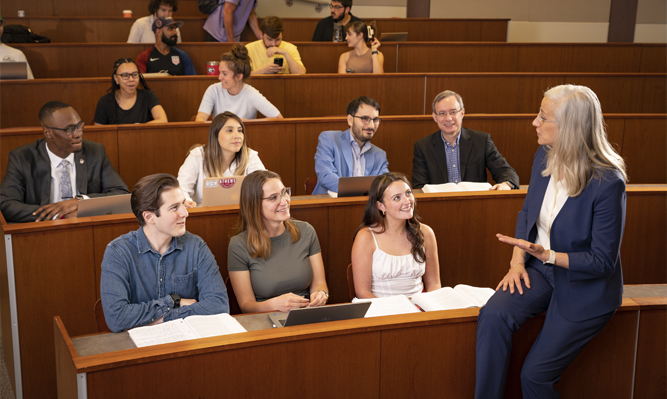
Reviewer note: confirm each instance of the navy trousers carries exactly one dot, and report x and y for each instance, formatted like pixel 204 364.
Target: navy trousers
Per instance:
pixel 556 346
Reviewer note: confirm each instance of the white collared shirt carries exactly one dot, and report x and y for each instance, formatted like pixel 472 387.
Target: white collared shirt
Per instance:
pixel 55 175
pixel 554 199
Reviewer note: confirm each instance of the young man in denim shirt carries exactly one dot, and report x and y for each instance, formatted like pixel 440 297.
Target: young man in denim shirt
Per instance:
pixel 159 272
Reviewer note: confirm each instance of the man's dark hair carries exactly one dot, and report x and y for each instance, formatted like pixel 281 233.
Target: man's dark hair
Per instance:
pixel 154 5
pixel 49 108
pixel 147 194
pixel 272 26
pixel 353 107
pixel 345 3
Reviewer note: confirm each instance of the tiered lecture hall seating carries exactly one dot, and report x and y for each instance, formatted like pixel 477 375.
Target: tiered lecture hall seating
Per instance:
pixel 499 80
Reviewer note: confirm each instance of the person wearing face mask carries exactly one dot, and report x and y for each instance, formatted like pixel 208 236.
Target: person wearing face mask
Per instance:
pixel 226 154
pixel 274 261
pixel 142 32
pixel 125 103
pixel 163 56
pixel 271 49
pixel 231 94
pixel 393 253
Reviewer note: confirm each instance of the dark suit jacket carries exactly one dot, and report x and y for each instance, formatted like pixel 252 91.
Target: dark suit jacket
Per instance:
pixel 589 228
pixel 27 183
pixel 477 152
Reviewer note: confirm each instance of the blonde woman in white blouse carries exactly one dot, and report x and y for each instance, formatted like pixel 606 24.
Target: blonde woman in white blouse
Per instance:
pixel 226 154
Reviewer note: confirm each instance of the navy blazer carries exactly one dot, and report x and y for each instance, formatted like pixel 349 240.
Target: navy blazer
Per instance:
pixel 27 182
pixel 333 160
pixel 589 228
pixel 476 153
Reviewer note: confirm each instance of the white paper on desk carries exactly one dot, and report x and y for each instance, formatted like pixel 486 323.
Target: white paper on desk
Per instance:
pixel 332 194
pixel 214 325
pixel 192 327
pixel 387 306
pixel 164 333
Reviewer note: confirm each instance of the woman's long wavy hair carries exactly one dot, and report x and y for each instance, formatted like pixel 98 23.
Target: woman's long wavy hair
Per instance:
pixel 112 106
pixel 250 215
pixel 581 150
pixel 374 219
pixel 213 153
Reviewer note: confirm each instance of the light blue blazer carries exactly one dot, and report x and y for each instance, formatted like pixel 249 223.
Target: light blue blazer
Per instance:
pixel 589 228
pixel 333 160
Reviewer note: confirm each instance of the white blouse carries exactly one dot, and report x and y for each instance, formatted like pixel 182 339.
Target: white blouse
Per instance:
pixel 554 199
pixel 191 174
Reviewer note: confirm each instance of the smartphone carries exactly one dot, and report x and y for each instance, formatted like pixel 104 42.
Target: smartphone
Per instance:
pixel 278 61
pixel 371 33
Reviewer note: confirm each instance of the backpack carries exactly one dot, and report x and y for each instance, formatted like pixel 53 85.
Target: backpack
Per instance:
pixel 207 6
pixel 22 34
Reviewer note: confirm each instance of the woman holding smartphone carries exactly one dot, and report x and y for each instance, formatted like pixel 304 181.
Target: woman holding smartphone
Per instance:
pixel 361 59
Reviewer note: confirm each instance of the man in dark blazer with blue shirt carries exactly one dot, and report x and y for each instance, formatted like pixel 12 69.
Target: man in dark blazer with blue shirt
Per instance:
pixel 350 153
pixel 46 179
pixel 455 154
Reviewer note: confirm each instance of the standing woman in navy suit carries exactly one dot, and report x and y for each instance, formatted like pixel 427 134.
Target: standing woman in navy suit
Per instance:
pixel 566 257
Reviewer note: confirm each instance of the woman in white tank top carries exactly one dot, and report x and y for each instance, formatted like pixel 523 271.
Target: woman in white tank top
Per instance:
pixel 393 253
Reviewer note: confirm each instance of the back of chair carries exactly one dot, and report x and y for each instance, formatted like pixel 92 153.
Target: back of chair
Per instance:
pixel 350 282
pixel 234 307
pixel 310 184
pixel 99 317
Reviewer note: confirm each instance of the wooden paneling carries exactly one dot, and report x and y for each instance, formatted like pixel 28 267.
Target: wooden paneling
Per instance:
pixel 644 142
pixel 71 29
pixel 319 95
pixel 654 58
pixel 288 147
pixel 357 373
pixel 80 60
pixel 329 95
pixel 63 280
pixel 652 210
pixel 63 20
pixel 651 372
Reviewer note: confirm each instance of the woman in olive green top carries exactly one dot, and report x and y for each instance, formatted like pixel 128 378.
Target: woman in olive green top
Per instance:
pixel 274 261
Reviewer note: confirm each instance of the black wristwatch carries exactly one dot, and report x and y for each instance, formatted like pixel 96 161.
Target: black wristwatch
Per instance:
pixel 177 300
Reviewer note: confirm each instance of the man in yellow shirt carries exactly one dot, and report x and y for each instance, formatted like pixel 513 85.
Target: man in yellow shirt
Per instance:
pixel 272 54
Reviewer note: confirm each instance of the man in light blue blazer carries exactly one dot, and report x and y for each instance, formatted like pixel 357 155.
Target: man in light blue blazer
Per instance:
pixel 350 153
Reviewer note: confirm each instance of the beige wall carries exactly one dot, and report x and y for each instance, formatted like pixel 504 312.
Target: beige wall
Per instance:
pixel 304 9
pixel 559 21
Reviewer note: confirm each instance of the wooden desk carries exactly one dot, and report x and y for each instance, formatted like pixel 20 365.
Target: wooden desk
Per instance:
pixel 53 268
pixel 288 146
pixel 319 95
pixel 100 26
pixel 79 60
pixel 424 355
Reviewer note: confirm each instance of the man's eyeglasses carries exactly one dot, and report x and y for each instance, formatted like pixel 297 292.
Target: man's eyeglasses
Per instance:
pixel 275 198
pixel 69 129
pixel 541 120
pixel 126 76
pixel 333 7
pixel 366 120
pixel 451 113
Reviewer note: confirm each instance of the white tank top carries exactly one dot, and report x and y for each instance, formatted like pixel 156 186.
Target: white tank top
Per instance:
pixel 395 274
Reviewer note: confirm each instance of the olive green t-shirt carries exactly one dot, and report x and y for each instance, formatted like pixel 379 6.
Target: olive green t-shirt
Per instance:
pixel 286 270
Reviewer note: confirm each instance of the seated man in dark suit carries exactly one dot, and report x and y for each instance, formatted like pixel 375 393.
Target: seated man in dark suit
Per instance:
pixel 45 180
pixel 455 154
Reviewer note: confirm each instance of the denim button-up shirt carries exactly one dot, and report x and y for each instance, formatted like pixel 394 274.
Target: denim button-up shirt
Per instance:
pixel 137 280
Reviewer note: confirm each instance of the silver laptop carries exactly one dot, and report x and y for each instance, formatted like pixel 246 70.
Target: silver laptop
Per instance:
pixel 394 37
pixel 13 70
pixel 110 205
pixel 297 317
pixel 354 186
pixel 222 190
